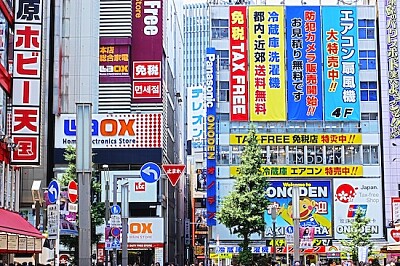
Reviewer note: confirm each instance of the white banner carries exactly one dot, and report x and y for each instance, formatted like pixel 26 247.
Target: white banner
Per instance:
pixel 113 130
pixel 351 194
pixel 196 113
pixel 145 230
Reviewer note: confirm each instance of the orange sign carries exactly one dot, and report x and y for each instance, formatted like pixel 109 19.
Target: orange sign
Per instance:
pixel 174 172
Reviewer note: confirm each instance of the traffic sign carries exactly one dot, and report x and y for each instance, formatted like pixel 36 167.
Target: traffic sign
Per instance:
pixel 289 234
pixel 115 209
pixel 115 231
pixel 72 191
pixel 150 172
pixel 53 191
pixel 116 243
pixel 115 220
pixel 53 220
pixel 174 172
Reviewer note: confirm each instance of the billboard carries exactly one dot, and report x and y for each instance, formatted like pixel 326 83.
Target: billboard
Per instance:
pixel 315 206
pixel 147 52
pixel 114 58
pixel 304 63
pixel 211 135
pixel 340 46
pixel 238 66
pixel 393 66
pixel 146 230
pixel 196 114
pixel 351 194
pixel 26 98
pixel 113 130
pixel 267 63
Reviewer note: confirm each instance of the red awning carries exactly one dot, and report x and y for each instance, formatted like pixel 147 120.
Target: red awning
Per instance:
pixel 12 222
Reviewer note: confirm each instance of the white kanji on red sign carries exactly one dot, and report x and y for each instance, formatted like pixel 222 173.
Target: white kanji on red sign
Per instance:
pixel 174 172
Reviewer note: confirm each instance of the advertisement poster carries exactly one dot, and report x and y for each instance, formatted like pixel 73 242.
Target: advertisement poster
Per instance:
pixel 340 46
pixel 114 57
pixel 352 194
pixel 304 54
pixel 315 206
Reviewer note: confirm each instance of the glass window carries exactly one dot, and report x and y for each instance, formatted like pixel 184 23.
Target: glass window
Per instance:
pixel 367 59
pixel 370 154
pixel 278 155
pixel 223 59
pixel 296 154
pixel 352 155
pixel 315 155
pixel 223 155
pixel 333 155
pixel 369 91
pixel 366 29
pixel 219 29
pixel 224 91
pixel 236 153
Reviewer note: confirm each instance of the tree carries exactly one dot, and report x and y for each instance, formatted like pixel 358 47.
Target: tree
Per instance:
pixel 97 208
pixel 242 210
pixel 358 236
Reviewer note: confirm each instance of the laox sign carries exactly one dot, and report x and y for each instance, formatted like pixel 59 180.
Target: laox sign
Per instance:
pixel 140 228
pixel 106 127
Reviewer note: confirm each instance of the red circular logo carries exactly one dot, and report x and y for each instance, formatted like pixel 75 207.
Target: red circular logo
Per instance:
pixel 345 193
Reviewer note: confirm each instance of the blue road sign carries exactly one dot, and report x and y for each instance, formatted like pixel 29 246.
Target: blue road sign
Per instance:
pixel 115 209
pixel 289 230
pixel 53 191
pixel 116 243
pixel 115 231
pixel 150 172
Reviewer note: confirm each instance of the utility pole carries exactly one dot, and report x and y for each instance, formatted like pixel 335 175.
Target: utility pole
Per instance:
pixel 296 222
pixel 107 206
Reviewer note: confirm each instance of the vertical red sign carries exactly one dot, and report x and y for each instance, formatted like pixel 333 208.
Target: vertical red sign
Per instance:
pixel 26 99
pixel 147 51
pixel 239 94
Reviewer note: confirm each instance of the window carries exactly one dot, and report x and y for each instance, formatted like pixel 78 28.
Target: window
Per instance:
pixel 369 91
pixel 369 116
pixel 315 155
pixel 366 29
pixel 236 153
pixel 370 154
pixel 352 155
pixel 219 29
pixel 224 91
pixel 278 155
pixel 333 155
pixel 367 59
pixel 223 155
pixel 296 154
pixel 223 59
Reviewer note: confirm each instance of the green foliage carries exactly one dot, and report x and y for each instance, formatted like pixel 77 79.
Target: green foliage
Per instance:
pixel 97 208
pixel 358 236
pixel 242 210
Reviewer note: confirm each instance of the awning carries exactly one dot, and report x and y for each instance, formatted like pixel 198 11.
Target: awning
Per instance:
pixel 12 222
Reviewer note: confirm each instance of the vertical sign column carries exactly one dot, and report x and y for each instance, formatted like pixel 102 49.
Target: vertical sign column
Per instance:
pixel 211 136
pixel 304 63
pixel 26 99
pixel 393 67
pixel 341 64
pixel 239 95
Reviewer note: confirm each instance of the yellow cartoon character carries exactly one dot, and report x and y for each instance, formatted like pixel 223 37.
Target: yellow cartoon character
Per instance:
pixel 308 215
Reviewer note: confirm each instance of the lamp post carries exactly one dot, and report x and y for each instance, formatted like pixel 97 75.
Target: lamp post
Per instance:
pixel 296 222
pixel 273 216
pixel 37 199
pixel 107 206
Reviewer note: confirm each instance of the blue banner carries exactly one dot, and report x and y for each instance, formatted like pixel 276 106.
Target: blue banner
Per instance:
pixel 304 55
pixel 315 206
pixel 341 71
pixel 211 136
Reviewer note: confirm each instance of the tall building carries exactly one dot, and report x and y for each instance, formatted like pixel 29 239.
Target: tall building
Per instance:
pixel 310 86
pixel 122 57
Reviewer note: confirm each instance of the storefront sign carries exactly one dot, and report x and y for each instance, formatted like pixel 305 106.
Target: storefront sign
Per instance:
pixel 12 243
pixel 30 244
pixel 113 130
pixel 3 242
pixel 114 57
pixel 196 114
pixel 27 70
pixel 145 230
pixel 22 244
pixel 353 194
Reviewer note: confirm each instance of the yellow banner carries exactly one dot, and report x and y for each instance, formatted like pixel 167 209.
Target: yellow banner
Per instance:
pixel 267 85
pixel 221 255
pixel 306 171
pixel 299 139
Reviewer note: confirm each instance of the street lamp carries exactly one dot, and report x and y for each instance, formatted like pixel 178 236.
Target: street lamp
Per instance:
pixel 296 222
pixel 273 216
pixel 37 199
pixel 107 206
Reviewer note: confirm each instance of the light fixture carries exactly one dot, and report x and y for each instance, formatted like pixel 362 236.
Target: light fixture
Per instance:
pixel 394 144
pixel 35 189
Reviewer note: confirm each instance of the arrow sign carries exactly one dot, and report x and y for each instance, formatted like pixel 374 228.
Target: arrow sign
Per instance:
pixel 53 191
pixel 150 172
pixel 72 191
pixel 174 172
pixel 115 209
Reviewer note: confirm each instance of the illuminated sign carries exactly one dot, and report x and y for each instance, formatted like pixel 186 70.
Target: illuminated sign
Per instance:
pixel 113 131
pixel 26 100
pixel 306 171
pixel 299 139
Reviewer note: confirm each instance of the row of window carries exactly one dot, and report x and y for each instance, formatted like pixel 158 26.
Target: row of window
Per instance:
pixel 305 155
pixel 220 29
